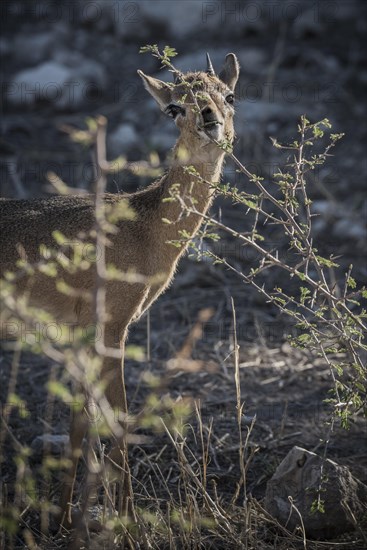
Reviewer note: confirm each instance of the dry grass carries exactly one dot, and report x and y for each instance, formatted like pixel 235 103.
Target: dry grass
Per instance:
pixel 199 481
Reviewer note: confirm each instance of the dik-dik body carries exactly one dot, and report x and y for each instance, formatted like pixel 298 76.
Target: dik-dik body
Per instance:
pixel 142 244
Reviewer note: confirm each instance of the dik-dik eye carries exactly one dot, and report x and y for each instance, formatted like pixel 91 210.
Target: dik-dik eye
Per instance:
pixel 173 110
pixel 230 99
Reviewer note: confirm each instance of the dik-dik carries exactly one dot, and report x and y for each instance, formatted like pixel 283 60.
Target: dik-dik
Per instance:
pixel 203 114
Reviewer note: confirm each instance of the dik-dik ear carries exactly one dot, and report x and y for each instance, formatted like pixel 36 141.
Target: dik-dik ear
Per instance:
pixel 161 91
pixel 230 72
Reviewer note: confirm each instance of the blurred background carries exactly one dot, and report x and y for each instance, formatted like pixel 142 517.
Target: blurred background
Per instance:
pixel 62 63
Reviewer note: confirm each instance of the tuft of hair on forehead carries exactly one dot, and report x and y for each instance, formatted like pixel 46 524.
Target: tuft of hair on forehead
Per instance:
pixel 201 82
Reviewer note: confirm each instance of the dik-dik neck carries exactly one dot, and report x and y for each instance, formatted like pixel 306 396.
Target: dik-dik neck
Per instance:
pixel 183 186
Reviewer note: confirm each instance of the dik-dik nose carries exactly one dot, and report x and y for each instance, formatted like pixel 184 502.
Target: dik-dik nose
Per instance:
pixel 209 116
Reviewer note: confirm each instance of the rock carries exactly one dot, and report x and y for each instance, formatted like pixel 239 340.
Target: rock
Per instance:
pixel 124 137
pixel 334 215
pixel 55 444
pixel 254 111
pixel 87 68
pixel 45 81
pixel 89 79
pixel 350 229
pixel 68 82
pixel 303 475
pixel 324 208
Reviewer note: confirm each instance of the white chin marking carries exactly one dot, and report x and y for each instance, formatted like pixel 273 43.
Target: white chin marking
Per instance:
pixel 215 133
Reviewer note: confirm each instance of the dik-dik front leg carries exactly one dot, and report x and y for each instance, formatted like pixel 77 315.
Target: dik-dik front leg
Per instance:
pixel 112 379
pixel 115 393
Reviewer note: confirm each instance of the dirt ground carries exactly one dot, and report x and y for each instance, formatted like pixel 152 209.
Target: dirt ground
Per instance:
pixel 283 388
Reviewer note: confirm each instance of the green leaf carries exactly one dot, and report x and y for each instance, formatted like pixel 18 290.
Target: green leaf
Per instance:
pixel 169 52
pixel 59 237
pixel 59 390
pixel 351 282
pixel 305 293
pixel 149 48
pixel 325 262
pixel 318 505
pixel 49 269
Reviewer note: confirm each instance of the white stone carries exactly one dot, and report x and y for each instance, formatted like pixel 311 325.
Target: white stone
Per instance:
pixel 350 229
pixel 66 82
pixel 46 81
pixel 324 208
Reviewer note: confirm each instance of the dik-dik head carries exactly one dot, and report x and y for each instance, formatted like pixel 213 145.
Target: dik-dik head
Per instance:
pixel 199 103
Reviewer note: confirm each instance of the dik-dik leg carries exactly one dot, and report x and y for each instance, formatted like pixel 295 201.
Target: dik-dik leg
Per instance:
pixel 115 393
pixel 112 376
pixel 78 429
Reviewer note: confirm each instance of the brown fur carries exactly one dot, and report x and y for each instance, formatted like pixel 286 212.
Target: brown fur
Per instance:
pixel 139 244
